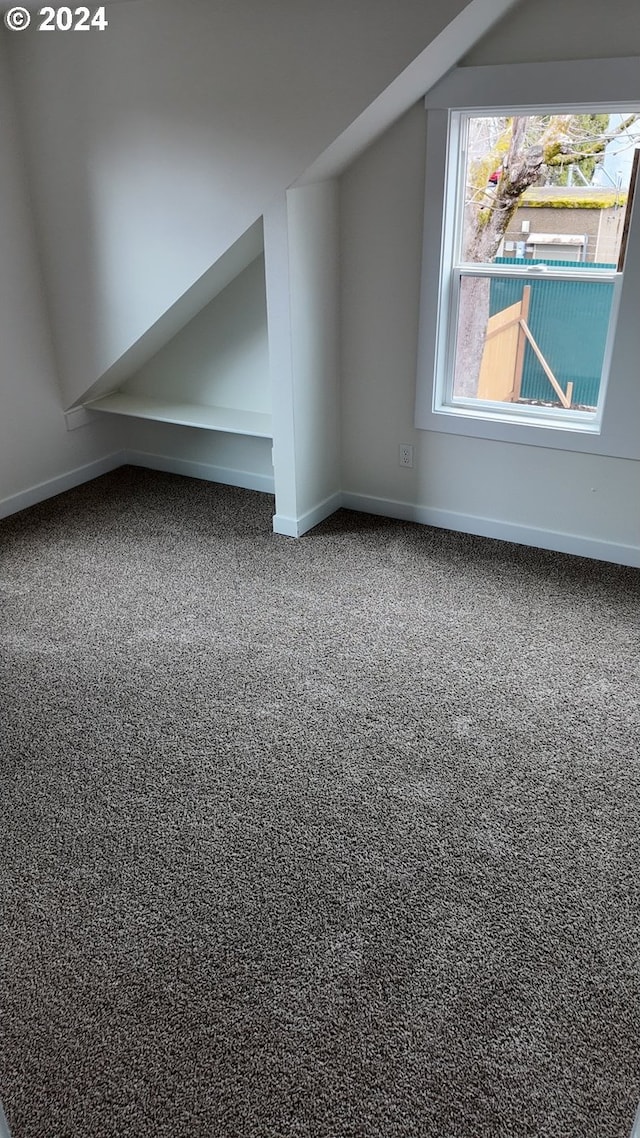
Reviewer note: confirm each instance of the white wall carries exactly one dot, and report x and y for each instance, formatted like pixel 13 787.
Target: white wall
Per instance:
pixel 35 446
pixel 303 294
pixel 153 145
pixel 381 218
pixel 221 357
pixel 548 497
pixel 315 300
pixel 236 460
pixel 538 30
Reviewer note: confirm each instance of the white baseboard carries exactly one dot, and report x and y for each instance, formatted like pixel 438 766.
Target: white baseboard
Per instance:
pixel 491 527
pixel 247 479
pixel 4 1125
pixel 295 527
pixel 286 526
pixel 53 486
pixel 43 490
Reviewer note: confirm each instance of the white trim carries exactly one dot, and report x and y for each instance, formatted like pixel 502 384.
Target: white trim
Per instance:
pixel 382 507
pixel 287 527
pixel 455 39
pixel 520 85
pixel 492 527
pixel 58 485
pixel 572 84
pixel 295 527
pixel 4 1125
pixel 246 479
pixel 537 272
pixel 225 268
pixel 204 416
pixel 362 503
pixel 78 417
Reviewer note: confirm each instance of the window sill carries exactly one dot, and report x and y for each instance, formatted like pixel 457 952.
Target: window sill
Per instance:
pixel 580 422
pixel 576 83
pixel 504 428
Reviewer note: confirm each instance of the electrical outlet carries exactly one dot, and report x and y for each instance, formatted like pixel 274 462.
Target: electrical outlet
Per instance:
pixel 405 456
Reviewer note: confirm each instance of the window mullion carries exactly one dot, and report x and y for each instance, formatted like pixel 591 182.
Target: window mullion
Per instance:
pixel 476 269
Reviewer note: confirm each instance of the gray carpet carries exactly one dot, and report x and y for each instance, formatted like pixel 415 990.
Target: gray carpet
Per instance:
pixel 336 838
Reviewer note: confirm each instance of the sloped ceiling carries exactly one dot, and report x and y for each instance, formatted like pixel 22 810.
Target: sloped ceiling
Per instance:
pixel 153 146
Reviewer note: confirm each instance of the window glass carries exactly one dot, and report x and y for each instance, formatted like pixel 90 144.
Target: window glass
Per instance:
pixel 546 186
pixel 542 206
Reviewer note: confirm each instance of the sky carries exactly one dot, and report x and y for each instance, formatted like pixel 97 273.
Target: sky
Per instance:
pixel 616 168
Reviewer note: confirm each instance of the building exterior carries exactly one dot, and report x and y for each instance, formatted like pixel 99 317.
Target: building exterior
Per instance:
pixel 567 223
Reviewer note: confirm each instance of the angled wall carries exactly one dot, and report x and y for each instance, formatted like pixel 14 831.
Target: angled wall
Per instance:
pixel 220 359
pixel 559 499
pixel 153 145
pixel 221 356
pixel 35 446
pixel 545 31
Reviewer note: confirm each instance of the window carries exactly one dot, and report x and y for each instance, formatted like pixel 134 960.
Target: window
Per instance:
pixel 530 314
pixel 523 267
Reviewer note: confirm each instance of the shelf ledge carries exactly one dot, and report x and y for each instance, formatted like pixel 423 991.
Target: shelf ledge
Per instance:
pixel 231 420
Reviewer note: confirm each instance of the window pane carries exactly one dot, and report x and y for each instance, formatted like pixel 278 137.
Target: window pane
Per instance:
pixel 538 342
pixel 547 187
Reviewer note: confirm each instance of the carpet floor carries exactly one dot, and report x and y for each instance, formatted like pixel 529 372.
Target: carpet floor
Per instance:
pixel 328 838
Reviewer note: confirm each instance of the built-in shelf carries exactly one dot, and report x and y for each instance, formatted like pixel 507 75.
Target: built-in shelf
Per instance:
pixel 228 419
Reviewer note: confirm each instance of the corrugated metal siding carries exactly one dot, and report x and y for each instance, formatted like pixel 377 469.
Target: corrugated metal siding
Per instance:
pixel 569 321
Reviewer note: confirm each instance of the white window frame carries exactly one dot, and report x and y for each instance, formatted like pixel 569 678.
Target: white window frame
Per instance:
pixel 576 86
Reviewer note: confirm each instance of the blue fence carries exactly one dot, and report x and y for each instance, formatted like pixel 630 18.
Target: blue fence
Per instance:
pixel 569 321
